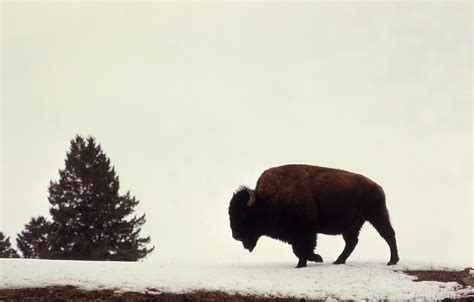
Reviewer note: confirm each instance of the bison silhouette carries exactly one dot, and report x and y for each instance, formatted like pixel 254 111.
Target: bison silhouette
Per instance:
pixel 294 203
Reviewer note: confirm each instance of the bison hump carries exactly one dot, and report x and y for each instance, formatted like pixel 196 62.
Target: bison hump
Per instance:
pixel 286 184
pixel 302 184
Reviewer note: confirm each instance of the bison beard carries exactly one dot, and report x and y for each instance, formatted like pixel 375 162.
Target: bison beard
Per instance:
pixel 294 203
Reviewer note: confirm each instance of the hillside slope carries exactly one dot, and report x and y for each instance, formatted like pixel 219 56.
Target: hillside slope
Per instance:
pixel 353 281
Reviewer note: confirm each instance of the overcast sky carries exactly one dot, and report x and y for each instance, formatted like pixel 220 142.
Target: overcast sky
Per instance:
pixel 191 100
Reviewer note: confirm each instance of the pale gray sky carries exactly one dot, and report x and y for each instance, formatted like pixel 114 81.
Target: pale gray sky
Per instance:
pixel 191 100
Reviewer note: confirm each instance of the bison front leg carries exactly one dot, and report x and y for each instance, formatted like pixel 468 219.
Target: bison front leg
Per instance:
pixel 304 250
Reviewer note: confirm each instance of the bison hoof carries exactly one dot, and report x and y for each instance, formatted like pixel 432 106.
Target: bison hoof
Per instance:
pixel 301 263
pixel 392 262
pixel 316 258
pixel 339 262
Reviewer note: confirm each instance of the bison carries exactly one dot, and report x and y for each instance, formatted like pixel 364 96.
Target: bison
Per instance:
pixel 294 203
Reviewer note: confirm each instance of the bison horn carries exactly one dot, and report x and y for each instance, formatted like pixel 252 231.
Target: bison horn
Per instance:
pixel 252 198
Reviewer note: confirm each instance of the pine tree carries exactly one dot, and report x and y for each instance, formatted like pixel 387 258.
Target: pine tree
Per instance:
pixel 91 220
pixel 6 251
pixel 34 240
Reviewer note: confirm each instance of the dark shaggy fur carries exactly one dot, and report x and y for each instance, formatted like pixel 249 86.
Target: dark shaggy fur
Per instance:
pixel 294 203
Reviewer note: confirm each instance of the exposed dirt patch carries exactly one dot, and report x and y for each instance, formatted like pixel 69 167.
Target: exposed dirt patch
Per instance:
pixel 462 277
pixel 71 293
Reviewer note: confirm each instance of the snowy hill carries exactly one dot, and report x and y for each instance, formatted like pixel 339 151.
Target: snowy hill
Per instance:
pixel 353 281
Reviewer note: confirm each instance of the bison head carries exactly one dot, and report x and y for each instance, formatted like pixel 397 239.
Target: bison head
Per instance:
pixel 246 217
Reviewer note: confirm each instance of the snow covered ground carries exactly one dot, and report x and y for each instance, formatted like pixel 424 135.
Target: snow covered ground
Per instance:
pixel 355 280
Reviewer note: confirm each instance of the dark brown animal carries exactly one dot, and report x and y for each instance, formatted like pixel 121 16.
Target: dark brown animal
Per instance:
pixel 294 203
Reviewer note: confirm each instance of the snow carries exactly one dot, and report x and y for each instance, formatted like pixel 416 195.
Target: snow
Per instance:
pixel 355 280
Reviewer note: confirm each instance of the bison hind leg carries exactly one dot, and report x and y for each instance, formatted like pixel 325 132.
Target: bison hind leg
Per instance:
pixel 381 223
pixel 351 238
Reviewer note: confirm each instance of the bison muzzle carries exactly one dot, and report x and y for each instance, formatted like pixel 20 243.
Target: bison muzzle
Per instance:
pixel 294 203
